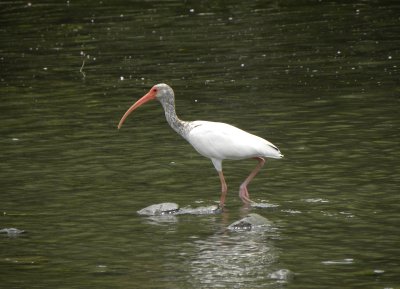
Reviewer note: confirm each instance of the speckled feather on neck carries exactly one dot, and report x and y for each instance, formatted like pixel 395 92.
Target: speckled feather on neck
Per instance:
pixel 168 103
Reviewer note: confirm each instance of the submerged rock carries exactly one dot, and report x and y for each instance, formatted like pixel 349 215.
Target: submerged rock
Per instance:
pixel 282 275
pixel 163 209
pixel 263 205
pixel 250 222
pixel 208 210
pixel 12 232
pixel 160 209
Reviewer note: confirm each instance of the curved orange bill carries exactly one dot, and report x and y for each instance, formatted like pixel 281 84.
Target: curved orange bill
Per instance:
pixel 149 96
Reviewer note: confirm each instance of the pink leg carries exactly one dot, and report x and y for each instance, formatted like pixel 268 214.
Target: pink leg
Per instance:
pixel 224 189
pixel 243 192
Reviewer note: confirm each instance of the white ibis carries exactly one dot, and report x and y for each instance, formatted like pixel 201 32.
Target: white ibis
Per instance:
pixel 215 140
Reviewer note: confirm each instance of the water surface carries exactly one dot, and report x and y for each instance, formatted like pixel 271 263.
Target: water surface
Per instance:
pixel 319 79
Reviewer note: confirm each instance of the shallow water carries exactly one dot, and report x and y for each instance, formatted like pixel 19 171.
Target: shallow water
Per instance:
pixel 317 79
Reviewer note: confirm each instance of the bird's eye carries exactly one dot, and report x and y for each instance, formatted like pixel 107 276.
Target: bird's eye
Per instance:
pixel 154 89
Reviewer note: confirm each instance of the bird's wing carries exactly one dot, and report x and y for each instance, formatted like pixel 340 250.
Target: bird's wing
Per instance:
pixel 217 140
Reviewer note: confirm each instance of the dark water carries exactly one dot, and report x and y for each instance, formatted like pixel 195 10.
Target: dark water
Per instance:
pixel 320 79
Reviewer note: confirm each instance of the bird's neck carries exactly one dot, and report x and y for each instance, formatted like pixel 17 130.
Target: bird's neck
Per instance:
pixel 181 127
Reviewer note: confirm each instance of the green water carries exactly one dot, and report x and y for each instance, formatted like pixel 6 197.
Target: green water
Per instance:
pixel 319 79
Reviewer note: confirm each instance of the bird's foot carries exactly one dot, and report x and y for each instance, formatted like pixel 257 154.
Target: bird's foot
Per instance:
pixel 244 196
pixel 219 209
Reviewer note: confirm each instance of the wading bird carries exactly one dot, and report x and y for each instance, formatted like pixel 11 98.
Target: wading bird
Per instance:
pixel 214 140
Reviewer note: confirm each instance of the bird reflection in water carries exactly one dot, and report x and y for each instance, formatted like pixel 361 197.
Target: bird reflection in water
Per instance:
pixel 233 260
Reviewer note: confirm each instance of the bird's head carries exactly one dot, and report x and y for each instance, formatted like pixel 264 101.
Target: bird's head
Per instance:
pixel 162 92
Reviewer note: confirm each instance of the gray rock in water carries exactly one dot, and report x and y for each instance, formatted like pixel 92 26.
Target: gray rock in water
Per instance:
pixel 12 232
pixel 208 210
pixel 160 209
pixel 250 222
pixel 282 274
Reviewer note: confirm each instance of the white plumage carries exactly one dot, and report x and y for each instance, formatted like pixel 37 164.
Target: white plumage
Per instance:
pixel 219 141
pixel 214 140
